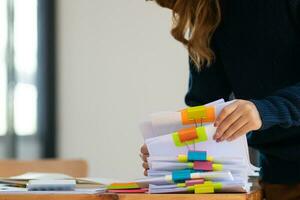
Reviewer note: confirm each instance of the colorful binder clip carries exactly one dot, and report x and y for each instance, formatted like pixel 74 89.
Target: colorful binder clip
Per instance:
pixel 199 114
pixel 189 136
pixel 203 165
pixel 189 183
pixel 184 158
pixel 194 182
pixel 207 187
pixel 197 156
pixel 181 175
pixel 217 167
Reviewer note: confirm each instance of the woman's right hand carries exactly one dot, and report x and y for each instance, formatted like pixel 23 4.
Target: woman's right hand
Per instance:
pixel 144 155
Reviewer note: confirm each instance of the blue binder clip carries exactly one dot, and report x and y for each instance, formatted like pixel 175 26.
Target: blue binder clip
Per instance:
pixel 197 156
pixel 181 175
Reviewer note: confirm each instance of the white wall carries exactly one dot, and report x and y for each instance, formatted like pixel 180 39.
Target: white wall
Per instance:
pixel 116 63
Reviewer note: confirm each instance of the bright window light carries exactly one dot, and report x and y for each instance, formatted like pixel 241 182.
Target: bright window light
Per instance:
pixel 25 37
pixel 25 52
pixel 25 105
pixel 3 38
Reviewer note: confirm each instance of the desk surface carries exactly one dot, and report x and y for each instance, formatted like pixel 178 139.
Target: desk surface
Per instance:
pixel 254 195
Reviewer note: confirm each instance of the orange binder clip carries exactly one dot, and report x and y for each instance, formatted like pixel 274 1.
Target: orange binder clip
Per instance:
pixel 199 114
pixel 187 134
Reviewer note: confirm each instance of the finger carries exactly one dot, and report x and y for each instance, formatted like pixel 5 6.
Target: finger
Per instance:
pixel 144 150
pixel 243 130
pixel 225 112
pixel 146 172
pixel 227 122
pixel 145 165
pixel 144 157
pixel 233 128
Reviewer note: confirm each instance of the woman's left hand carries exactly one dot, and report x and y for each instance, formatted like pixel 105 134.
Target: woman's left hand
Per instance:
pixel 237 119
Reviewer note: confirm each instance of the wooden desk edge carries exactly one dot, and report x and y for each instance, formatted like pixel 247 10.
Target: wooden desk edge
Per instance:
pixel 254 195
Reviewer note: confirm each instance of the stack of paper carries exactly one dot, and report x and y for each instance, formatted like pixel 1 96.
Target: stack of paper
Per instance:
pixel 185 158
pixel 52 182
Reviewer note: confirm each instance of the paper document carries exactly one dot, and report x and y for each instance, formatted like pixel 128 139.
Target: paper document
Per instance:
pixel 181 148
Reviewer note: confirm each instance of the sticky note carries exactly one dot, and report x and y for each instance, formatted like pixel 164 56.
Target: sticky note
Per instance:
pixel 218 186
pixel 217 167
pixel 208 182
pixel 182 158
pixel 190 165
pixel 204 189
pixel 194 182
pixel 201 132
pixel 210 158
pixel 197 156
pixel 116 186
pixel 181 185
pixel 169 179
pixel 203 165
pixel 191 188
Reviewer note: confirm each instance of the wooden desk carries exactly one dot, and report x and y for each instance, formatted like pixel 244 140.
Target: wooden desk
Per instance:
pixel 254 195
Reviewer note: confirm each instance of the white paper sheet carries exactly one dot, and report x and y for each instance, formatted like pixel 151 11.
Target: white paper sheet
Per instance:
pixel 164 146
pixel 227 186
pixel 220 160
pixel 170 166
pixel 163 180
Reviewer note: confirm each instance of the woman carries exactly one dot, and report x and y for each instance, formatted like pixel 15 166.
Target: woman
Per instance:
pixel 250 48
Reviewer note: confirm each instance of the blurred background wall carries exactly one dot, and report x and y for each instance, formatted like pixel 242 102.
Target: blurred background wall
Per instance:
pixel 116 63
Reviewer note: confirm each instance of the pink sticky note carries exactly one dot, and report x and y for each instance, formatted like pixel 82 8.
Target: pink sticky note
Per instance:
pixel 203 165
pixel 194 182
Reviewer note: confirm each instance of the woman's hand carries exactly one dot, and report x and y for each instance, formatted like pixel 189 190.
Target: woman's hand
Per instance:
pixel 237 119
pixel 144 155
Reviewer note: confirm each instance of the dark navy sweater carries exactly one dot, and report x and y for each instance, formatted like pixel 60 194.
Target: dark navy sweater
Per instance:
pixel 257 47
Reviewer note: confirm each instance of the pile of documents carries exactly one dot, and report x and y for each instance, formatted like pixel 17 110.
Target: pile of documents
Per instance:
pixel 183 157
pixel 52 183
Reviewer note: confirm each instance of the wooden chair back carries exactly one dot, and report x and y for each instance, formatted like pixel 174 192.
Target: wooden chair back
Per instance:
pixel 74 168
